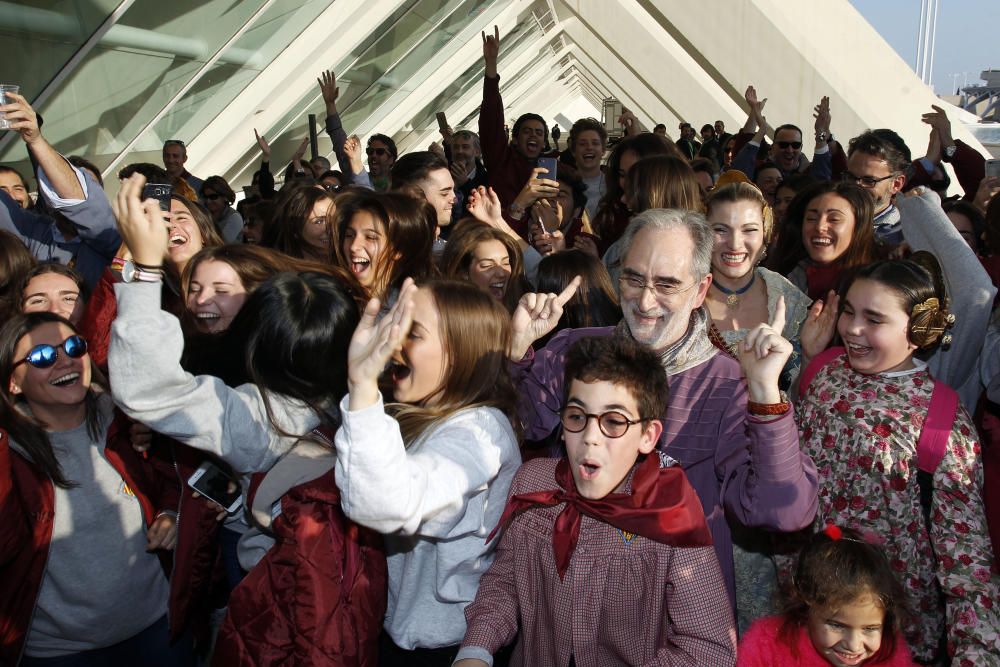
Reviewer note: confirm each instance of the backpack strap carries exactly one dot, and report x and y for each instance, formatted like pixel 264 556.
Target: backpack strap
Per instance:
pixel 816 364
pixel 934 435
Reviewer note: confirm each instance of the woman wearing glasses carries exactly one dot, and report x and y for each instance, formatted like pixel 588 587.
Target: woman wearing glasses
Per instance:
pixel 219 198
pixel 83 514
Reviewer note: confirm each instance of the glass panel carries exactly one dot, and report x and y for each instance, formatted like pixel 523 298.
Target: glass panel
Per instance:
pixel 271 33
pixel 39 36
pixel 288 132
pixel 139 65
pixel 369 76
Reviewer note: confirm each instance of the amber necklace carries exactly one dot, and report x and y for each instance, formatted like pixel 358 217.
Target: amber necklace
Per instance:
pixel 733 295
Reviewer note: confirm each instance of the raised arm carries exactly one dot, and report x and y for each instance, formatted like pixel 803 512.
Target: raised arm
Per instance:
pixel 151 386
pixel 492 138
pixel 61 176
pixel 334 127
pixel 265 179
pixel 821 167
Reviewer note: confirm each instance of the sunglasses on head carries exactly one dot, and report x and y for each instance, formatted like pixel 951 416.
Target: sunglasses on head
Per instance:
pixel 173 142
pixel 45 355
pixel 789 144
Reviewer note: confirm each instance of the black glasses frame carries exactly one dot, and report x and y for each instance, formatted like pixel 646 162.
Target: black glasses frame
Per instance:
pixel 572 409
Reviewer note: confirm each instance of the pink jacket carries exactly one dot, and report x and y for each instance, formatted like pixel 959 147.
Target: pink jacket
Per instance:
pixel 761 647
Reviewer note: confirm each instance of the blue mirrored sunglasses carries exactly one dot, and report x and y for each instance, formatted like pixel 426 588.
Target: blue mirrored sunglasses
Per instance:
pixel 45 355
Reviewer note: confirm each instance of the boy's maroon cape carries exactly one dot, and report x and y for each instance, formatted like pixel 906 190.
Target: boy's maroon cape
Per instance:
pixel 662 507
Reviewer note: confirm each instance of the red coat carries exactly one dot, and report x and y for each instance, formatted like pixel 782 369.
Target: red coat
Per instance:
pixel 318 596
pixel 27 505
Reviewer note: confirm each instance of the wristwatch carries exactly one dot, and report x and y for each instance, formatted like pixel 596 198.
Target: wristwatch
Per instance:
pixel 516 211
pixel 133 273
pixel 821 136
pixel 949 151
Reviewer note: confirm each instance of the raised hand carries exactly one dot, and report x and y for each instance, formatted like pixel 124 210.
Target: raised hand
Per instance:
pixel 756 105
pixel 819 326
pixel 438 150
pixel 586 244
pixel 459 173
pixel 821 112
pixel 301 150
pixel 988 188
pixel 763 354
pixel 142 225
pixel 484 205
pixel 328 87
pixel 265 148
pixel 536 315
pixel 546 243
pixel 549 215
pixel 491 51
pixel 628 121
pixel 938 120
pixel 21 118
pixel 374 342
pixel 352 149
pixel 537 187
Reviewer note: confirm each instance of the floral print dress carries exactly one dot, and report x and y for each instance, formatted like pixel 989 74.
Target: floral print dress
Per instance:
pixel 862 432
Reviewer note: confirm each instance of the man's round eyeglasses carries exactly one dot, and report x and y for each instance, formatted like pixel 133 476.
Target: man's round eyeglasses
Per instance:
pixel 613 424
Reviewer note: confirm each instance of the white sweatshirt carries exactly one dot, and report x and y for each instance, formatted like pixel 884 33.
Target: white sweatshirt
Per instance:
pixel 436 503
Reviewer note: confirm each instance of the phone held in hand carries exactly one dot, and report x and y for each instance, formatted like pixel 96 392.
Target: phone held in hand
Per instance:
pixel 442 120
pixel 212 482
pixel 549 163
pixel 160 192
pixel 993 168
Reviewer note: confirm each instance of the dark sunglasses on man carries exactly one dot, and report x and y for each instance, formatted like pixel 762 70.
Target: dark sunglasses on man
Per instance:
pixel 785 145
pixel 379 151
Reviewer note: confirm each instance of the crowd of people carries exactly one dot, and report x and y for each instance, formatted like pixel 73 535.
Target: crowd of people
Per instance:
pixel 651 403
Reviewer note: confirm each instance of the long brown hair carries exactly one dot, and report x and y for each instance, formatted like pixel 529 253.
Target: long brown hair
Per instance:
pixel 790 250
pixel 29 433
pixel 291 216
pixel 408 224
pixel 475 330
pixel 457 257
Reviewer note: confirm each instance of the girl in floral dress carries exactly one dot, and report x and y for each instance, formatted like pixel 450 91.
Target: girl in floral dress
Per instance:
pixel 861 412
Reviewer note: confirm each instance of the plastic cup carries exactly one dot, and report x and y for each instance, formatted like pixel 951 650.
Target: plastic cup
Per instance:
pixel 5 90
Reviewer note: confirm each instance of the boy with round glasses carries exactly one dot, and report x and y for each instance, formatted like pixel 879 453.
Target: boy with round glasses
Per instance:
pixel 605 557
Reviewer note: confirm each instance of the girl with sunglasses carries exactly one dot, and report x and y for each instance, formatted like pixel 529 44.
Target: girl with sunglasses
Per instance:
pixel 431 470
pixel 84 516
pixel 272 421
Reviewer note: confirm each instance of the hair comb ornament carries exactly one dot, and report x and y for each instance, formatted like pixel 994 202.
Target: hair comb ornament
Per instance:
pixel 928 322
pixel 833 532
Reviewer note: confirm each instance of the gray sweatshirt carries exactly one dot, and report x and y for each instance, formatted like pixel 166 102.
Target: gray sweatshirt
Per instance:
pixel 200 411
pixel 100 585
pixel 926 227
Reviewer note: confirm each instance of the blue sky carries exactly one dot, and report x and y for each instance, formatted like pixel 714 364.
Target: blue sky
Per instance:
pixel 966 35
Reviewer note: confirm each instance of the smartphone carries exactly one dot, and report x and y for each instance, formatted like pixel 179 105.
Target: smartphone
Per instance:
pixel 442 121
pixel 212 482
pixel 993 168
pixel 549 163
pixel 160 192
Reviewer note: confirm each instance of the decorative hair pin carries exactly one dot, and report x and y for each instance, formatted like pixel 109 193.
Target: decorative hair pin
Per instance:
pixel 930 321
pixel 835 534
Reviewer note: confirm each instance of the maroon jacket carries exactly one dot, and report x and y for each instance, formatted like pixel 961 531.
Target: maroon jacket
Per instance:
pixel 506 170
pixel 318 597
pixel 27 505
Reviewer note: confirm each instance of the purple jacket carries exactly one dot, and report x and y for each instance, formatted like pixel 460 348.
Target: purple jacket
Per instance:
pixel 748 470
